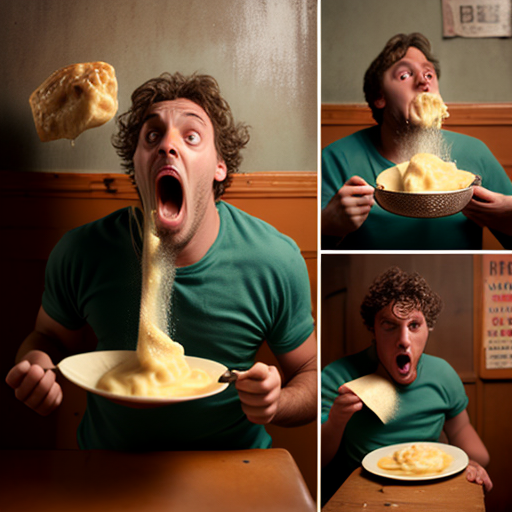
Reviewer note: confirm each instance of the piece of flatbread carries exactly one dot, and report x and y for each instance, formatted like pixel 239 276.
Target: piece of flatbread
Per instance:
pixel 74 99
pixel 428 173
pixel 378 394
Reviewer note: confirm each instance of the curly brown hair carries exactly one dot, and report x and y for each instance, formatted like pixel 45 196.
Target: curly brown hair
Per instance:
pixel 395 49
pixel 406 291
pixel 230 137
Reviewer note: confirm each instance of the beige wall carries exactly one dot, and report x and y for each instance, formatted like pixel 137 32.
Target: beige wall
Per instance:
pixel 263 53
pixel 354 32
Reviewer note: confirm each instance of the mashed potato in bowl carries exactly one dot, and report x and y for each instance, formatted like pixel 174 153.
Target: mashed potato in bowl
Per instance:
pixel 424 172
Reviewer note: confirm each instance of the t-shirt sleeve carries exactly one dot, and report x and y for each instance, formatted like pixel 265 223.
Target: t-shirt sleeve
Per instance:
pixel 455 394
pixel 60 293
pixel 334 375
pixel 332 179
pixel 291 304
pixel 494 176
pixel 498 181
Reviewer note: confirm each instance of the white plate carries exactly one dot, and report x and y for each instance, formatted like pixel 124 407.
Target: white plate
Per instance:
pixel 85 370
pixel 460 461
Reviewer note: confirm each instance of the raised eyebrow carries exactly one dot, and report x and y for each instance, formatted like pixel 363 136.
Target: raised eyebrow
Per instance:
pixel 196 116
pixel 148 118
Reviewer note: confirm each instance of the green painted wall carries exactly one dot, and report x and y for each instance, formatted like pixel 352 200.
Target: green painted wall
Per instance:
pixel 355 31
pixel 263 53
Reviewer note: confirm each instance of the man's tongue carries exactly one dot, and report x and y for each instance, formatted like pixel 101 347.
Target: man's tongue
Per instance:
pixel 403 363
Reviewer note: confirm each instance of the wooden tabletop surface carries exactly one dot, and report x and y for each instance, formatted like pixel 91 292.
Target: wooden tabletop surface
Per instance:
pixel 105 481
pixel 363 491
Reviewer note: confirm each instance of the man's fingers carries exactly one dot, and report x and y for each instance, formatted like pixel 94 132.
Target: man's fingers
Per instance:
pixel 17 374
pixel 42 388
pixel 29 382
pixel 478 475
pixel 51 401
pixel 259 371
pixel 259 399
pixel 357 181
pixel 260 379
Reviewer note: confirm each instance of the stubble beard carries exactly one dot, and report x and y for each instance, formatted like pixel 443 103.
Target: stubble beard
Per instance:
pixel 411 139
pixel 174 242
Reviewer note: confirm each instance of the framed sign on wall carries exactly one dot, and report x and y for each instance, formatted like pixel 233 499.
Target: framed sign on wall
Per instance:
pixel 477 18
pixel 493 309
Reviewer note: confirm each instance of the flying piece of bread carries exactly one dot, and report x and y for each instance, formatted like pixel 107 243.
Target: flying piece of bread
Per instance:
pixel 378 394
pixel 428 173
pixel 74 99
pixel 428 110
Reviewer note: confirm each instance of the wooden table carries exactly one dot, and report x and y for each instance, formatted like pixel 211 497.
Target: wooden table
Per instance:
pixel 105 481
pixel 365 492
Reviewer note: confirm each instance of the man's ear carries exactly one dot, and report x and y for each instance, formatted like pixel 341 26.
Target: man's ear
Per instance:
pixel 221 171
pixel 380 102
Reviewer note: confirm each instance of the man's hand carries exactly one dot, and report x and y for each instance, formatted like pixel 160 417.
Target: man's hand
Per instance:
pixel 476 473
pixel 344 406
pixel 35 387
pixel 348 208
pixel 259 389
pixel 490 209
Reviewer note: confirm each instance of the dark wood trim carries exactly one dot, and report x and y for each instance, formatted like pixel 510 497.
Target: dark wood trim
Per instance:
pixel 119 186
pixel 461 114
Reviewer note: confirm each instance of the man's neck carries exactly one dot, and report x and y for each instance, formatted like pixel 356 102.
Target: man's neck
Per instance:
pixel 400 143
pixel 202 240
pixel 388 145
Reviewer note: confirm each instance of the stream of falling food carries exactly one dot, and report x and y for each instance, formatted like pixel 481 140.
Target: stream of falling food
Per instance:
pixel 159 367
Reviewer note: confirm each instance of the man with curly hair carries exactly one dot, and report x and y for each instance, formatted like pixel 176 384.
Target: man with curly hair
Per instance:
pixel 350 217
pixel 238 282
pixel 400 310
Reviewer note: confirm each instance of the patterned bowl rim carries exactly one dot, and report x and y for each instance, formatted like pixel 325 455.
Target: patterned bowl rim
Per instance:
pixel 423 194
pixel 477 181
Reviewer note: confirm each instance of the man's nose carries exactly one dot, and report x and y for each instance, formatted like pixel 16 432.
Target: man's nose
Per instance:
pixel 404 340
pixel 168 144
pixel 423 82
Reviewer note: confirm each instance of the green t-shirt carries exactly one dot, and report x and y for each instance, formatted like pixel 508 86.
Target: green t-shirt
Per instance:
pixel 357 155
pixel 436 395
pixel 252 285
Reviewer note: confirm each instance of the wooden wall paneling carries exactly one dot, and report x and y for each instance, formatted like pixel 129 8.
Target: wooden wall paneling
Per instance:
pixel 494 409
pixel 489 122
pixel 497 418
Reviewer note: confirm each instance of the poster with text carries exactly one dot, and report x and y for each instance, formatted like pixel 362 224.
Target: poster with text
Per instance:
pixel 497 314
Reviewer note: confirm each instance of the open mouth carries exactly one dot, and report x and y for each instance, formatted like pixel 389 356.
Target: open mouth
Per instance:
pixel 170 197
pixel 403 362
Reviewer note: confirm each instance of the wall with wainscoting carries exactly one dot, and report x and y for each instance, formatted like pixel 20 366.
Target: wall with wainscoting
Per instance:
pixel 263 54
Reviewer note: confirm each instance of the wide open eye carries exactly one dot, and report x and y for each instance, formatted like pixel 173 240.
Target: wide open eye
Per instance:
pixel 151 136
pixel 193 138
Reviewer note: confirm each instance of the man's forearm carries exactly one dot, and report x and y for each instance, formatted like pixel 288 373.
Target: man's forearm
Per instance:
pixel 37 342
pixel 331 436
pixel 297 401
